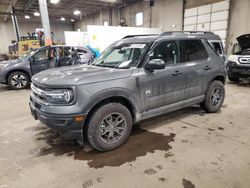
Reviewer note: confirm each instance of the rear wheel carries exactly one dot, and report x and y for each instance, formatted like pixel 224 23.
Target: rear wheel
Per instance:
pixel 18 80
pixel 109 127
pixel 214 97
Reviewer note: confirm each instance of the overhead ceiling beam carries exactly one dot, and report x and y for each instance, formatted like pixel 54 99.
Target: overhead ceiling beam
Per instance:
pixel 29 4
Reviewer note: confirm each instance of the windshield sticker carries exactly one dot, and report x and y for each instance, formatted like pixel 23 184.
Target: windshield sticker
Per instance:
pixel 137 45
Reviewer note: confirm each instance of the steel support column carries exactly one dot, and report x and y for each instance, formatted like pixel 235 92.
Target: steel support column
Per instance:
pixel 45 21
pixel 15 24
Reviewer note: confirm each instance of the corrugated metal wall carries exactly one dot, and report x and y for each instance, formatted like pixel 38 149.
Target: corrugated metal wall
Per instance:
pixel 166 14
pixel 212 17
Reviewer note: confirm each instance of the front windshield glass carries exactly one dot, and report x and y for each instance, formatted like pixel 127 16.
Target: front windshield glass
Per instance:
pixel 121 55
pixel 27 55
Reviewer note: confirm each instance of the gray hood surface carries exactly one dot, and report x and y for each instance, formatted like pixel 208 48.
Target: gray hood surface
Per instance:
pixel 78 75
pixel 12 61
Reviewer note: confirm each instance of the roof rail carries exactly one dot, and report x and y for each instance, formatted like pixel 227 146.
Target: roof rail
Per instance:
pixel 146 35
pixel 185 32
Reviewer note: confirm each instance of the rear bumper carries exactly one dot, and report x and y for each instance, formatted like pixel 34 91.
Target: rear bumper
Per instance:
pixel 238 70
pixel 66 125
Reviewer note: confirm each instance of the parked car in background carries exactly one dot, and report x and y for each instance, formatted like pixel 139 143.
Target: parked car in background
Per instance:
pixel 238 64
pixel 17 73
pixel 135 78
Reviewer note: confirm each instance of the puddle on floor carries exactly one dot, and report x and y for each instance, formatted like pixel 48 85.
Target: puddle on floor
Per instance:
pixel 139 144
pixel 187 184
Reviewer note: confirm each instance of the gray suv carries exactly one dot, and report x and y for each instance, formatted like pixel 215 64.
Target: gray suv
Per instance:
pixel 17 73
pixel 136 78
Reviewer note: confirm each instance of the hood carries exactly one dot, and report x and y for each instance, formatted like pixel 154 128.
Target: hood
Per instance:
pixel 78 75
pixel 10 61
pixel 244 41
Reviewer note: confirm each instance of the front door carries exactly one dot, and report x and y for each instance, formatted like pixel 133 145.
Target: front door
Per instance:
pixel 161 88
pixel 40 61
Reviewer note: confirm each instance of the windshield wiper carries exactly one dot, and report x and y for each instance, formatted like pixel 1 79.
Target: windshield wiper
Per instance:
pixel 105 65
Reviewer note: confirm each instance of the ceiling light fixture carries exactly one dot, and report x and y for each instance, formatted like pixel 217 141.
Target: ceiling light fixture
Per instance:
pixel 77 12
pixel 27 17
pixel 72 20
pixel 36 14
pixel 54 1
pixel 62 19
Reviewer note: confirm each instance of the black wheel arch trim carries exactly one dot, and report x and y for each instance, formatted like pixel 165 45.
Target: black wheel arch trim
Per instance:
pixel 18 70
pixel 115 93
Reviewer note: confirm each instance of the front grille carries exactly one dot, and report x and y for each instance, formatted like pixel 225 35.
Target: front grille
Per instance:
pixel 244 60
pixel 38 106
pixel 38 92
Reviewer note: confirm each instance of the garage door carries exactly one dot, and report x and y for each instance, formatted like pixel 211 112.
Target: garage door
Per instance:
pixel 211 17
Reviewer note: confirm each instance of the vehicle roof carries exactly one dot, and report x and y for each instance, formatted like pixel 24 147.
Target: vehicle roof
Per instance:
pixel 68 46
pixel 140 38
pixel 172 35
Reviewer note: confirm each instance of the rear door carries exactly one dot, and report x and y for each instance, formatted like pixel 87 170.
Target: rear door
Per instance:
pixel 40 60
pixel 197 63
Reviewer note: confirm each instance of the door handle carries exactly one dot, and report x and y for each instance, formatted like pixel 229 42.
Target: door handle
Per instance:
pixel 176 73
pixel 207 67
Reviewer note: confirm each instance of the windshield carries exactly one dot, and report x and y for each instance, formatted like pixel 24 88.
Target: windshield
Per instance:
pixel 27 55
pixel 121 55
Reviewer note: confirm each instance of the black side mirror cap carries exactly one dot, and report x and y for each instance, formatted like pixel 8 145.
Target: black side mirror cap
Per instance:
pixel 155 64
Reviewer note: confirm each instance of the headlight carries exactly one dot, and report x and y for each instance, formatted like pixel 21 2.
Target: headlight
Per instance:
pixel 233 58
pixel 59 96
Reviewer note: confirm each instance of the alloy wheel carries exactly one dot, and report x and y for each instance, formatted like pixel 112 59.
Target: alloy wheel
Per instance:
pixel 217 96
pixel 112 128
pixel 18 81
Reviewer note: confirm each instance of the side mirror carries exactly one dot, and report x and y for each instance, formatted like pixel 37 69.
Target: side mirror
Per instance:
pixel 155 64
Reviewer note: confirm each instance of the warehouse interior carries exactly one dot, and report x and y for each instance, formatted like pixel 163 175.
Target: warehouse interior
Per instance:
pixel 180 147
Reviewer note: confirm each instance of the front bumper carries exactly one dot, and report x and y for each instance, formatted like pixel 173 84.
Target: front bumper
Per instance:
pixel 238 70
pixel 65 124
pixel 2 77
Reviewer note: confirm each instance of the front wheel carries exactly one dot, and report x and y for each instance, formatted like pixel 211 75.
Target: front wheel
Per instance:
pixel 214 97
pixel 109 127
pixel 18 80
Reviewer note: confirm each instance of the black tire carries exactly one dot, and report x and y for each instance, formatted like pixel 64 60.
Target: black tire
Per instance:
pixel 99 124
pixel 18 80
pixel 233 79
pixel 214 97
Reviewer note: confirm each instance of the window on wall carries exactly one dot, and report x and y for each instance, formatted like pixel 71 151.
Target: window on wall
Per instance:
pixel 105 23
pixel 139 19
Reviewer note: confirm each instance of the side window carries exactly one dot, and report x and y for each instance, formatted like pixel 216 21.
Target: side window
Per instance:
pixel 217 47
pixel 167 51
pixel 42 54
pixel 193 50
pixel 66 51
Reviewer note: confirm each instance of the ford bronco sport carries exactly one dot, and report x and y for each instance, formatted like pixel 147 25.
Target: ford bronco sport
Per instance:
pixel 238 64
pixel 136 78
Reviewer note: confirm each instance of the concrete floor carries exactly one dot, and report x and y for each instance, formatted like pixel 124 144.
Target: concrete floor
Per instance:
pixel 187 148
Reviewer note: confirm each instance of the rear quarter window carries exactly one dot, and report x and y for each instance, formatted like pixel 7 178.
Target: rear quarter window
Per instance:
pixel 217 47
pixel 193 50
